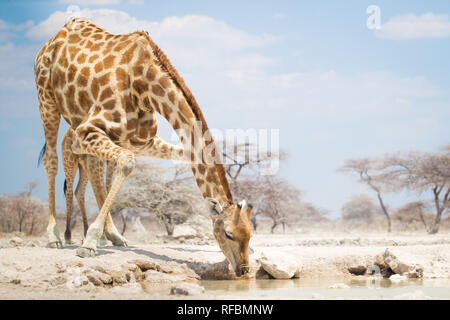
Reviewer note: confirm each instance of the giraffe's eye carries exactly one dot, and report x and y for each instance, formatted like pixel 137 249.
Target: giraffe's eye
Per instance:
pixel 229 236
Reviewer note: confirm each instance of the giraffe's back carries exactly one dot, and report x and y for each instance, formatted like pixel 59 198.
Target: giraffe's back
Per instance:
pixel 86 69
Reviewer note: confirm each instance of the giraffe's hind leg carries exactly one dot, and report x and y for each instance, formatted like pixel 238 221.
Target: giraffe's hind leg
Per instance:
pixel 80 192
pixel 94 141
pixel 95 169
pixel 70 164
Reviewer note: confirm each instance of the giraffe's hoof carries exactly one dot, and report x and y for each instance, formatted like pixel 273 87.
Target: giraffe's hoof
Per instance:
pixel 117 240
pixel 121 243
pixel 55 245
pixel 85 252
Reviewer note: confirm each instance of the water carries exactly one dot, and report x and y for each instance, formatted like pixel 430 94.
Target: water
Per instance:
pixel 359 288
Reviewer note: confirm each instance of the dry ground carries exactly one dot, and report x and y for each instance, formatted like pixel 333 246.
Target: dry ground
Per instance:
pixel 149 269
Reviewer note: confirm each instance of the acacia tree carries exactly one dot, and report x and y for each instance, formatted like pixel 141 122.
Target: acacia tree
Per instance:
pixel 171 196
pixel 369 172
pixel 280 201
pixel 243 163
pixel 411 212
pixel 422 172
pixel 22 212
pixel 359 208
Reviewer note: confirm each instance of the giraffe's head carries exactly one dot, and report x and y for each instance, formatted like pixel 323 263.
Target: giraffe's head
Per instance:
pixel 232 231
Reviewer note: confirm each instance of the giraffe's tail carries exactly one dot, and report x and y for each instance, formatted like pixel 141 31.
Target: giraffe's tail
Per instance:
pixel 41 154
pixel 65 186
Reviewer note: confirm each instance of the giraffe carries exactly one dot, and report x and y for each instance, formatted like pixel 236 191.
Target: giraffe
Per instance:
pixel 108 88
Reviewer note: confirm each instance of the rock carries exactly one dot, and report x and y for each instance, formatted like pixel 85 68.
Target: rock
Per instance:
pixel 357 270
pixel 262 274
pixel 213 271
pixel 119 277
pixel 402 265
pixel 16 281
pixel 98 278
pixel 16 241
pixel 137 272
pixel 415 272
pixel 187 289
pixel 397 266
pixel 184 231
pixel 339 286
pixel 57 280
pixel 397 278
pixel 166 267
pixel 145 265
pixel 279 266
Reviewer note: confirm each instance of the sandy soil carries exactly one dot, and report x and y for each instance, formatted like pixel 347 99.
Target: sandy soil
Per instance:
pixel 151 269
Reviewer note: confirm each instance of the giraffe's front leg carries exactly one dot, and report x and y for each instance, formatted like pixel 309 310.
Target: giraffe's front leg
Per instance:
pixel 112 234
pixel 94 141
pixel 163 150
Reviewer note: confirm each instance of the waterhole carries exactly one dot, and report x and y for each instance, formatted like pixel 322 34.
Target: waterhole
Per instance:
pixel 330 288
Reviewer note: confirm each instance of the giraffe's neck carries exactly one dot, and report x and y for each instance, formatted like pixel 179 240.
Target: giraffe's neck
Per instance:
pixel 179 107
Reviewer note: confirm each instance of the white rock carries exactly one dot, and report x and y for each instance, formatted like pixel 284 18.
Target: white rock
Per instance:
pixel 184 231
pixel 279 265
pixel 397 278
pixel 339 286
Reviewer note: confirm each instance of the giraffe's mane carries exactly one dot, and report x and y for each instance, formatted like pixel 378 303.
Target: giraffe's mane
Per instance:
pixel 172 72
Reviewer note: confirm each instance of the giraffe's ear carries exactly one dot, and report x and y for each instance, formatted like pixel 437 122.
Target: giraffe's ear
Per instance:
pixel 242 205
pixel 215 207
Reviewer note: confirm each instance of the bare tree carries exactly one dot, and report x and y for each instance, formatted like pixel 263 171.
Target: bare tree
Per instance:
pixel 412 212
pixel 369 172
pixel 22 212
pixel 246 158
pixel 280 201
pixel 421 172
pixel 171 196
pixel 242 162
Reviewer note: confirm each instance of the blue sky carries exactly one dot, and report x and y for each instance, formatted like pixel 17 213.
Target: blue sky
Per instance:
pixel 334 88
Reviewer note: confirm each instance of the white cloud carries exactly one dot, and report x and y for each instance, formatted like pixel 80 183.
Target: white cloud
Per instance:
pixel 16 66
pixel 193 42
pixel 8 30
pixel 411 26
pixel 201 29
